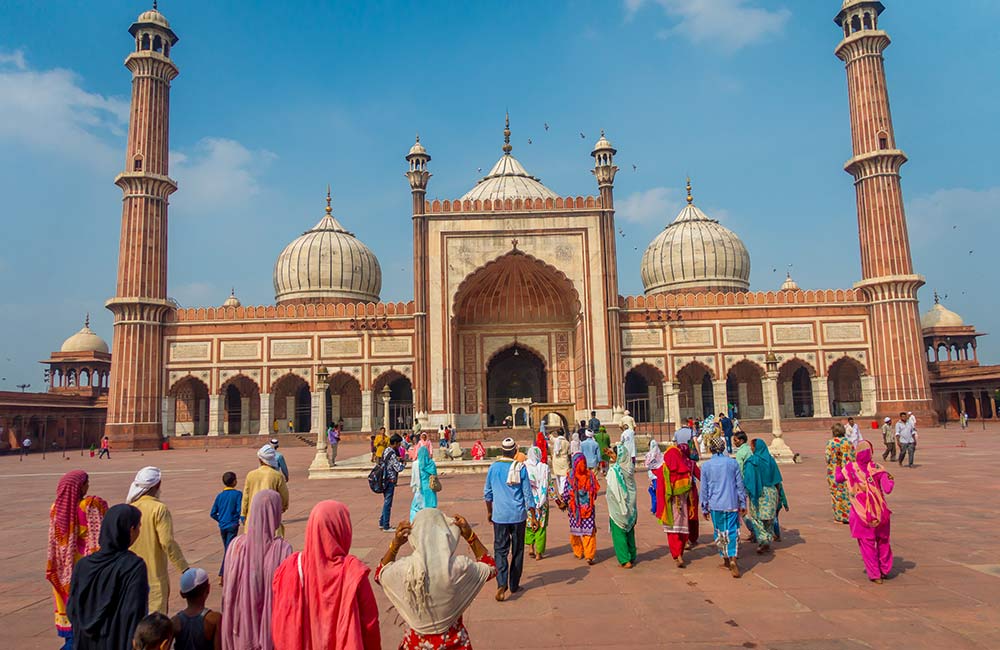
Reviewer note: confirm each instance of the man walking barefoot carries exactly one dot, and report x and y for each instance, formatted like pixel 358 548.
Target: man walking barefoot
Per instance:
pixel 723 501
pixel 508 498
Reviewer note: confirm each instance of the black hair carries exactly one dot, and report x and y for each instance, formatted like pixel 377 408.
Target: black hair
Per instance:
pixel 395 439
pixel 739 435
pixel 593 414
pixel 509 453
pixel 229 479
pixel 197 592
pixel 152 631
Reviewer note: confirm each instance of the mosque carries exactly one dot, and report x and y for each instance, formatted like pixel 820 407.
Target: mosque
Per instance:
pixel 516 309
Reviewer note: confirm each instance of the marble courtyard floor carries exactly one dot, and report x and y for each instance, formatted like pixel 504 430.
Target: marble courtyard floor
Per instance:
pixel 810 593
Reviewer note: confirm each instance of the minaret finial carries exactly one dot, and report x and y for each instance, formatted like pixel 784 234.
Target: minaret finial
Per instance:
pixel 86 321
pixel 329 210
pixel 154 5
pixel 937 298
pixel 232 292
pixel 418 137
pixel 506 134
pixel 689 197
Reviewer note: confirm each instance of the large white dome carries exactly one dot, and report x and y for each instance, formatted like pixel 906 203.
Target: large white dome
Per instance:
pixel 85 341
pixel 508 179
pixel 327 264
pixel 940 316
pixel 695 253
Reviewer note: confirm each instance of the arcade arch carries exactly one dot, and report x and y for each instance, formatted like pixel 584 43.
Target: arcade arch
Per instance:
pixel 644 393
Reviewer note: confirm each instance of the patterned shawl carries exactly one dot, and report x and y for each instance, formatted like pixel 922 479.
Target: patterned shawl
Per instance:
pixel 74 527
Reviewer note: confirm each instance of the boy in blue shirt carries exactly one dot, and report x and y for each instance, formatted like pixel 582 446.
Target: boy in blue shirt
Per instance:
pixel 226 511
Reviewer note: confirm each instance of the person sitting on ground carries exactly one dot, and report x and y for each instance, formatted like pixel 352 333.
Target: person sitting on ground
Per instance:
pixel 433 586
pixel 196 627
pixel 155 632
pixel 454 451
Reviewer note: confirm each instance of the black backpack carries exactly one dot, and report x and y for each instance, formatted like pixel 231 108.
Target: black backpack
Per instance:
pixel 377 478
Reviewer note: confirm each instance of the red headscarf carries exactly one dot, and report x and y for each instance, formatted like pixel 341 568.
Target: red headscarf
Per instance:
pixel 315 591
pixel 65 521
pixel 676 468
pixel 543 444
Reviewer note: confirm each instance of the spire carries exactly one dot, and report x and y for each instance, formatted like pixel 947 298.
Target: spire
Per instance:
pixel 690 198
pixel 232 292
pixel 154 6
pixel 937 298
pixel 329 210
pixel 506 135
pixel 86 321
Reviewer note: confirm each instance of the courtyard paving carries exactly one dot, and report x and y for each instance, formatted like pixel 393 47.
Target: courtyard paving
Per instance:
pixel 810 593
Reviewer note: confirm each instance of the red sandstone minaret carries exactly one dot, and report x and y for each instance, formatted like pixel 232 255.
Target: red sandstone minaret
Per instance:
pixel 418 176
pixel 887 276
pixel 140 304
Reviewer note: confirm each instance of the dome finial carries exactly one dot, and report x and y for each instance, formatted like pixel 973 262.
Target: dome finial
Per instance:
pixel 154 5
pixel 506 134
pixel 86 320
pixel 329 210
pixel 937 298
pixel 690 198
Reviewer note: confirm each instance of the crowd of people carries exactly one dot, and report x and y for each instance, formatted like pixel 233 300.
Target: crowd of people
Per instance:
pixel 108 566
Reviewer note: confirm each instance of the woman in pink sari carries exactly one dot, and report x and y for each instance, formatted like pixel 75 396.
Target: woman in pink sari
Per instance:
pixel 250 564
pixel 868 483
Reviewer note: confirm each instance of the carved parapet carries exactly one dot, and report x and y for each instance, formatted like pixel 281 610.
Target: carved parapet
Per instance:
pixel 885 162
pixel 438 206
pixel 867 43
pixel 363 311
pixel 677 301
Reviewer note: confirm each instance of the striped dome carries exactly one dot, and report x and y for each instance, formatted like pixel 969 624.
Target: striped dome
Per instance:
pixel 695 253
pixel 327 264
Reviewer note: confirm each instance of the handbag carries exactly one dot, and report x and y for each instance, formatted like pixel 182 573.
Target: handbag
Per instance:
pixel 434 483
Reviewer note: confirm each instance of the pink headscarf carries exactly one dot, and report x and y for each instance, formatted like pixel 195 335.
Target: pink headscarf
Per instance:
pixel 249 569
pixel 65 521
pixel 316 591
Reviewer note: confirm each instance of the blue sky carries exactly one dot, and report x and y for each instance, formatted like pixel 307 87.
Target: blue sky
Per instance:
pixel 275 100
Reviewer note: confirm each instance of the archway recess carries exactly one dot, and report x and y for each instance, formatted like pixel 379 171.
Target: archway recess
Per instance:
pixel 513 372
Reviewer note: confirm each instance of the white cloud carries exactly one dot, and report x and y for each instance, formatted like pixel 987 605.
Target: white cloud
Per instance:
pixel 659 204
pixel 217 174
pixel 954 215
pixel 49 110
pixel 727 24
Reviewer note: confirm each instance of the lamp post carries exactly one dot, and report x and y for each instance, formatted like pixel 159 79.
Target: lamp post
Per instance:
pixel 321 462
pixel 386 396
pixel 779 448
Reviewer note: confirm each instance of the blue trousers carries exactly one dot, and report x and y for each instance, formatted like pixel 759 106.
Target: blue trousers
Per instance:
pixel 228 535
pixel 509 538
pixel 387 496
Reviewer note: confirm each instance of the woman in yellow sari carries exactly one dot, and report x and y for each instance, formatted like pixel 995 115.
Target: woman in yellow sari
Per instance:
pixel 74 530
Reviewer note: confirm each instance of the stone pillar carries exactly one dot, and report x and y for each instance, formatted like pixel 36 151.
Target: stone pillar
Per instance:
pixel 244 415
pixel 169 428
pixel 266 409
pixel 779 448
pixel 335 407
pixel 743 400
pixel 317 413
pixel 385 414
pixel 654 405
pixel 699 403
pixel 672 402
pixel 366 410
pixel 721 398
pixel 768 385
pixel 821 397
pixel 215 412
pixel 868 394
pixel 289 414
pixel 788 409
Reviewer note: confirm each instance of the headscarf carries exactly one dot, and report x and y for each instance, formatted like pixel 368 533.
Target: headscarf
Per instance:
pixel 538 475
pixel 478 451
pixel 145 480
pixel 426 468
pixel 673 478
pixel 628 439
pixel 315 591
pixel 109 593
pixel 582 488
pixel 864 483
pixel 654 457
pixel 621 494
pixel 760 470
pixel 543 446
pixel 708 425
pixel 250 564
pixel 432 587
pixel 574 444
pixel 268 455
pixel 65 520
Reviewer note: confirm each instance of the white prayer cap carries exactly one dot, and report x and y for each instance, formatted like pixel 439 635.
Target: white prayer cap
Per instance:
pixel 590 434
pixel 192 579
pixel 267 456
pixel 145 480
pixel 508 444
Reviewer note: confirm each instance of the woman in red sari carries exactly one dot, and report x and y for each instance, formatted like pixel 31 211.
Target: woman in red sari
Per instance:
pixel 322 597
pixel 74 530
pixel 674 505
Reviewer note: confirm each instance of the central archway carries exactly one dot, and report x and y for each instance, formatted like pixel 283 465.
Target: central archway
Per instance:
pixel 513 372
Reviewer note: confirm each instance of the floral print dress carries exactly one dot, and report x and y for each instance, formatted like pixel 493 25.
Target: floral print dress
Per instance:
pixel 839 452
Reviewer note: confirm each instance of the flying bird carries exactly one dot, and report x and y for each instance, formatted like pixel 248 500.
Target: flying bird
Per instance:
pixel 546 126
pixel 582 136
pixel 529 140
pixel 479 169
pixel 634 168
pixel 970 252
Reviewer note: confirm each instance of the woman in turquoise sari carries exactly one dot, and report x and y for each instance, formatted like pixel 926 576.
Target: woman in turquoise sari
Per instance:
pixel 420 481
pixel 622 507
pixel 765 495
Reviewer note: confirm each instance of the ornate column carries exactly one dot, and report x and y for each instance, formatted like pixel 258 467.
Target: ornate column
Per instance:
pixel 821 397
pixel 215 413
pixel 244 415
pixel 779 448
pixel 720 397
pixel 671 402
pixel 366 411
pixel 768 385
pixel 386 395
pixel 868 407
pixel 785 389
pixel 266 409
pixel 321 462
pixel 168 416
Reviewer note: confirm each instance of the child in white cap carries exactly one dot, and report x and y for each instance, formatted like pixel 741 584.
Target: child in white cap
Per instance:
pixel 196 626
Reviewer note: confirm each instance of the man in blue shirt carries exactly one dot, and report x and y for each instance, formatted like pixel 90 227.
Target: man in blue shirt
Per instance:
pixel 508 498
pixel 727 431
pixel 591 450
pixel 226 511
pixel 278 456
pixel 723 501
